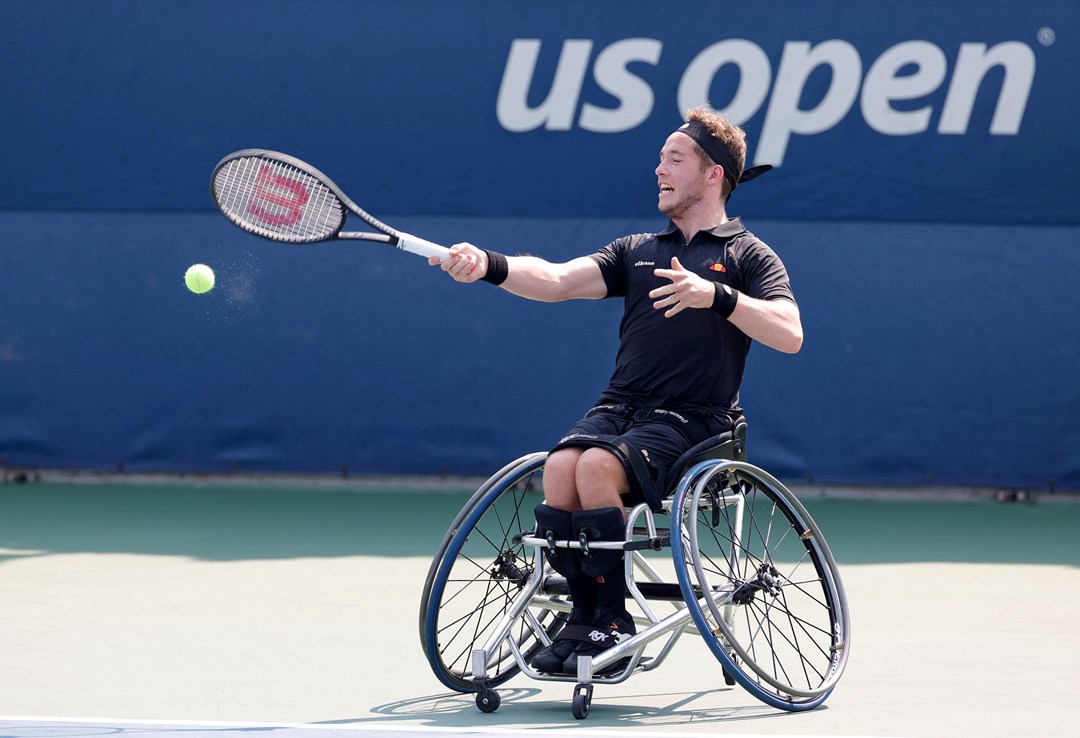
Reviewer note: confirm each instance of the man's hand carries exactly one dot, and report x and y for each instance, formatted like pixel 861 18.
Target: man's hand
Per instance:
pixel 687 290
pixel 465 263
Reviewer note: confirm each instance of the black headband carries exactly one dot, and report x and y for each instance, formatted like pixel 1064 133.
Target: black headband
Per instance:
pixel 716 150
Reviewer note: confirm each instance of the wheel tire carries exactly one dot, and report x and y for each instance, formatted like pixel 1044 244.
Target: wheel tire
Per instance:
pixel 776 616
pixel 488 700
pixel 477 573
pixel 582 701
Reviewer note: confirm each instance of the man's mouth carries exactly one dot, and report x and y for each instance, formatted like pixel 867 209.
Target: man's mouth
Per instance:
pixel 665 188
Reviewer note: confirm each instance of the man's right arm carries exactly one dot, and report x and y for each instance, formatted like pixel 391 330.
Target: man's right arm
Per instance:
pixel 529 276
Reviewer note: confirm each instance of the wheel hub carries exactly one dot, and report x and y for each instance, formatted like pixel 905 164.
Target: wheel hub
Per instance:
pixel 504 568
pixel 766 580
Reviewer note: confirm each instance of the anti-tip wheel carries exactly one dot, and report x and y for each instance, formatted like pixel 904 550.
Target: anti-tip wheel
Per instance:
pixel 582 701
pixel 487 700
pixel 728 678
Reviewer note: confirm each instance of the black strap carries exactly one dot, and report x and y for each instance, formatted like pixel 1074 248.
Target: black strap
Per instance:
pixel 644 476
pixel 588 634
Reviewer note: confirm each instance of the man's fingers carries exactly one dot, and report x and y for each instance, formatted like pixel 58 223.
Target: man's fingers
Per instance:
pixel 672 301
pixel 675 310
pixel 667 289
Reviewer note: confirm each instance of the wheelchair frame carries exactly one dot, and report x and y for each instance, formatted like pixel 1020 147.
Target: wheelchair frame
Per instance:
pixel 779 628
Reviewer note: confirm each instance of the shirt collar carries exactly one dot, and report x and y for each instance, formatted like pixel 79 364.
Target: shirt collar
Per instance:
pixel 731 228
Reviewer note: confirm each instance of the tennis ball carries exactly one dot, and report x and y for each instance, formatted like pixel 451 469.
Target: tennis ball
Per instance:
pixel 199 278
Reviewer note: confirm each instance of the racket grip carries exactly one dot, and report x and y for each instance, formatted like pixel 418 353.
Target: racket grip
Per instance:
pixel 419 246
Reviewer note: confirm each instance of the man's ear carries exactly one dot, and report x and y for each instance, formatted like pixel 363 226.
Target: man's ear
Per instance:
pixel 716 175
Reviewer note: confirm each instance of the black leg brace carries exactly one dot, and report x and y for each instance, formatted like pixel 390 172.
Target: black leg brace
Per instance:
pixel 605 524
pixel 566 561
pixel 557 525
pixel 604 566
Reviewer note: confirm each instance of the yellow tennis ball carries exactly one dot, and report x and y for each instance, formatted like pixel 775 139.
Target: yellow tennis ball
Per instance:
pixel 199 278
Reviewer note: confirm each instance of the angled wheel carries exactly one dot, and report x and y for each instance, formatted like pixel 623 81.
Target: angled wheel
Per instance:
pixel 477 573
pixel 761 583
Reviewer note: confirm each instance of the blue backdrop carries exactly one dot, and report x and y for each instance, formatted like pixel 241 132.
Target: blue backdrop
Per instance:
pixel 923 201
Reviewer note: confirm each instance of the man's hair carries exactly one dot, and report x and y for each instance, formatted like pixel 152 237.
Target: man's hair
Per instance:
pixel 733 138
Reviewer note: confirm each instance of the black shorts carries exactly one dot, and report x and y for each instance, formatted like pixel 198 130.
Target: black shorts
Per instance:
pixel 661 436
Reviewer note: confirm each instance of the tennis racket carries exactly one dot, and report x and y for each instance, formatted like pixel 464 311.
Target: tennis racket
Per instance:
pixel 281 198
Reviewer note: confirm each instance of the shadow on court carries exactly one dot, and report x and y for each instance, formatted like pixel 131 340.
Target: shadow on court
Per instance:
pixel 234 523
pixel 548 707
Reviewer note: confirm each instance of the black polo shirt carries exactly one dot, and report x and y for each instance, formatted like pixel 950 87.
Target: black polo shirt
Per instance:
pixel 694 360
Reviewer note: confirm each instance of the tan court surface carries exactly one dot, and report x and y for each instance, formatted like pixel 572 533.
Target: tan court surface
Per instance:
pixel 298 604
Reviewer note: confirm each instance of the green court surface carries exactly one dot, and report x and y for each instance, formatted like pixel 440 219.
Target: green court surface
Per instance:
pixel 258 604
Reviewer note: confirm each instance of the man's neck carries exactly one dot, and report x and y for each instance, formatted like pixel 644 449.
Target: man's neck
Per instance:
pixel 691 223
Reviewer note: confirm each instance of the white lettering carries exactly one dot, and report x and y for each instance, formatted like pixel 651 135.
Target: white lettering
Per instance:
pixel 556 113
pixel 883 85
pixel 889 79
pixel 755 74
pixel 634 94
pixel 972 65
pixel 784 116
pixel 661 411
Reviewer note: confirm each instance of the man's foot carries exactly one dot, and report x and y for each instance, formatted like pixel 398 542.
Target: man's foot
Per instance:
pixel 607 629
pixel 550 658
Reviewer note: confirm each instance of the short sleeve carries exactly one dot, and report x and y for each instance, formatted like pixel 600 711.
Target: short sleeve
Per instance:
pixel 765 276
pixel 610 259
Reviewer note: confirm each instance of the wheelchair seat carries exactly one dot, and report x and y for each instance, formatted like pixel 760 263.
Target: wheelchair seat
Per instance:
pixel 729 446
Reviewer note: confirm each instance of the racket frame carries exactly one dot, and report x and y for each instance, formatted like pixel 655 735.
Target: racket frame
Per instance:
pixel 387 234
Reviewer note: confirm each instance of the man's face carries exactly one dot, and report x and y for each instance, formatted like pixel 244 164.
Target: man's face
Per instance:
pixel 680 176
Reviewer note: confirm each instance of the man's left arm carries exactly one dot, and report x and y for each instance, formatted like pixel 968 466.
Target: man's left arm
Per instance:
pixel 775 323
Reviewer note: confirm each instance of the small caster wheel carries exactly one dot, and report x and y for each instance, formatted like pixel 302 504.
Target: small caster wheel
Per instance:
pixel 728 678
pixel 487 699
pixel 582 701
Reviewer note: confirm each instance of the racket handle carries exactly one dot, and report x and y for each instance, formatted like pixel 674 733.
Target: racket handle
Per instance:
pixel 419 246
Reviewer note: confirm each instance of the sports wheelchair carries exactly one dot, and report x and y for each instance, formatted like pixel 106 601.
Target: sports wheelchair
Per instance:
pixel 749 572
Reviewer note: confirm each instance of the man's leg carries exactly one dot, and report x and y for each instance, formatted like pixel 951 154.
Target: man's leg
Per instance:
pixel 601 481
pixel 556 515
pixel 561 493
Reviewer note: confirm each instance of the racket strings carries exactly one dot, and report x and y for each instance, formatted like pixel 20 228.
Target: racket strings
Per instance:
pixel 277 200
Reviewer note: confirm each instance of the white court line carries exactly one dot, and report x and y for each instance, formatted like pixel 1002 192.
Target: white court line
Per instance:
pixel 418 730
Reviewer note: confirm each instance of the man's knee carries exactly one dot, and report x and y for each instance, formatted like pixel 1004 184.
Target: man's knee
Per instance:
pixel 601 466
pixel 601 479
pixel 560 485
